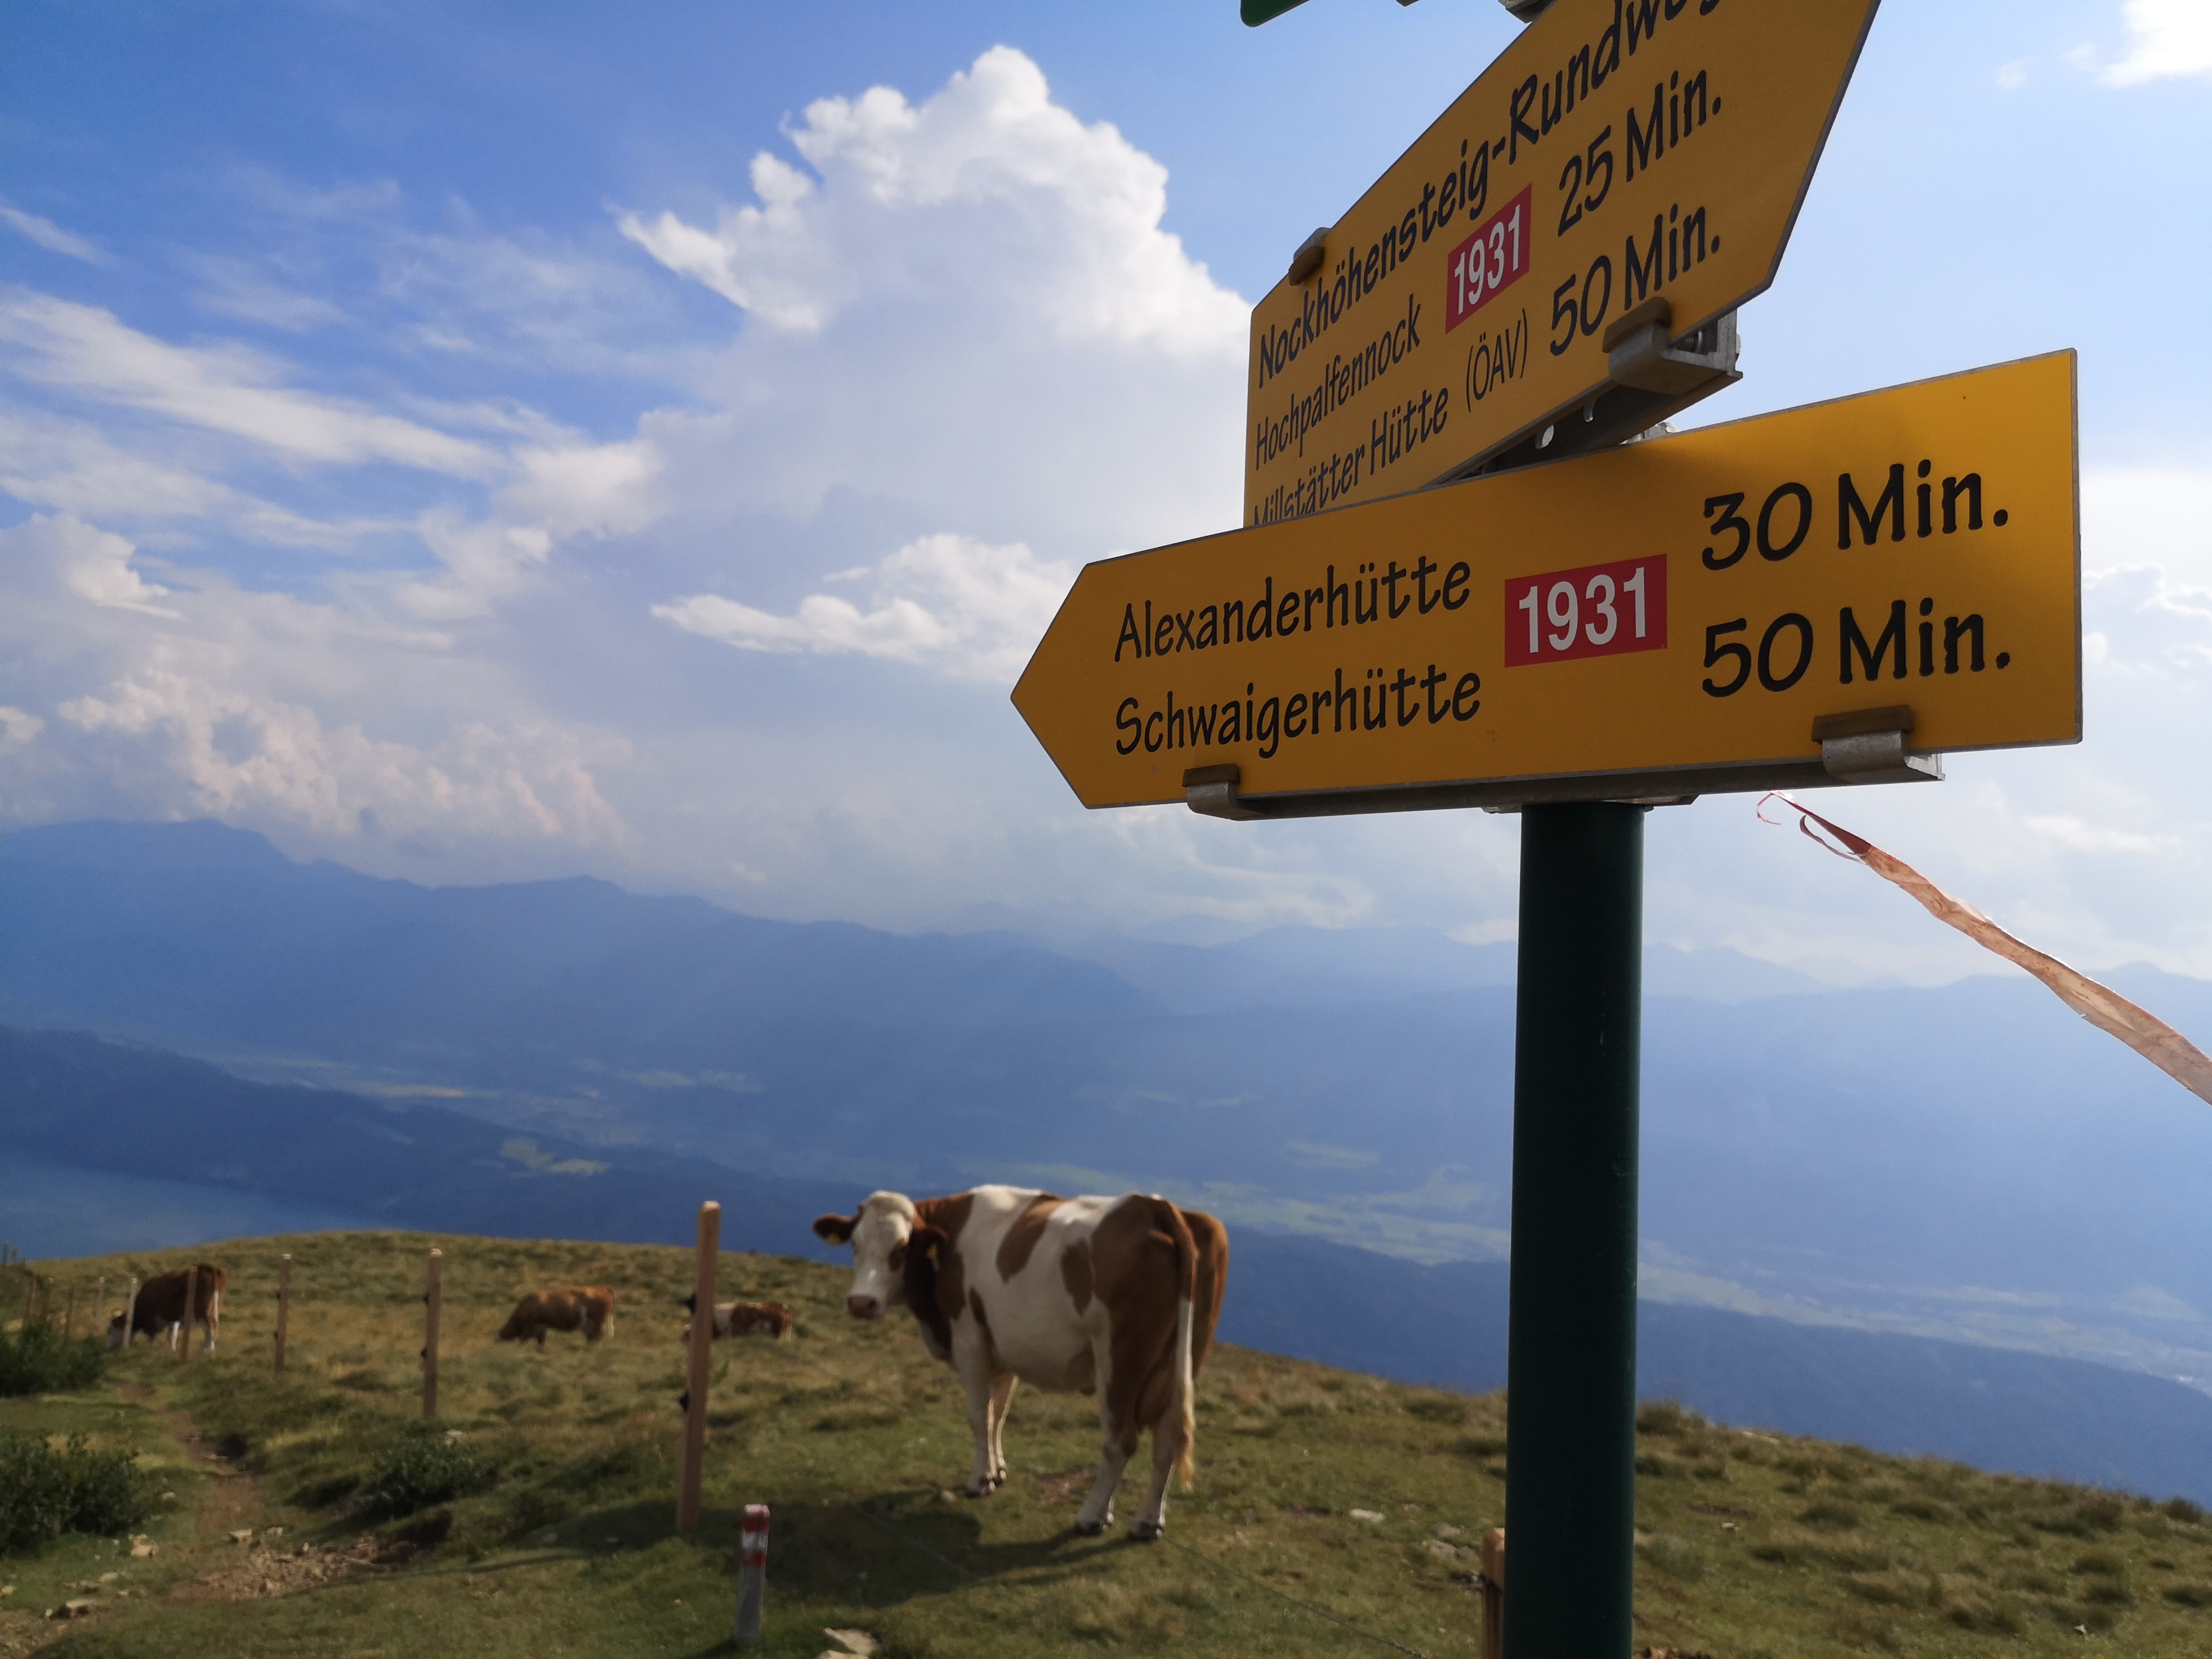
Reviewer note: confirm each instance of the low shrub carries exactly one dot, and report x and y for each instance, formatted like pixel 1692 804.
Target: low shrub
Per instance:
pixel 1831 1515
pixel 39 1360
pixel 1437 1408
pixel 1676 1557
pixel 322 1494
pixel 1922 1509
pixel 2098 1512
pixel 540 1506
pixel 1666 1417
pixel 45 1493
pixel 1991 1618
pixel 422 1472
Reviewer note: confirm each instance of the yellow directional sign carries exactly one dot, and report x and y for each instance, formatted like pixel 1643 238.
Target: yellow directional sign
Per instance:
pixel 1559 252
pixel 1687 614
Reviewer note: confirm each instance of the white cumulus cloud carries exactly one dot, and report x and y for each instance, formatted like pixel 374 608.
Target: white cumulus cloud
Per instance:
pixel 2161 515
pixel 992 144
pixel 242 757
pixel 92 564
pixel 964 307
pixel 945 602
pixel 302 718
pixel 2166 38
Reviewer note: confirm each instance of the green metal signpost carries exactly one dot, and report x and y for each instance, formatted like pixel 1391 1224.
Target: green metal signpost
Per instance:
pixel 1571 1343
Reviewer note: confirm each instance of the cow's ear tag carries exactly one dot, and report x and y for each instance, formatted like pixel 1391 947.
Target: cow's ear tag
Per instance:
pixel 930 1252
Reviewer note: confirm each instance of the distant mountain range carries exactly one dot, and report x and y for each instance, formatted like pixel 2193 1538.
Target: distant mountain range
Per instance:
pixel 1971 1162
pixel 81 1111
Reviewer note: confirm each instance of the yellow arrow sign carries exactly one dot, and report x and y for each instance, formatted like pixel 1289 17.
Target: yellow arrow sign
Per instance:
pixel 1670 616
pixel 1560 251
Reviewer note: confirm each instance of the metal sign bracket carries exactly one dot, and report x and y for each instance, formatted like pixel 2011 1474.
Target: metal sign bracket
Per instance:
pixel 1868 746
pixel 1651 379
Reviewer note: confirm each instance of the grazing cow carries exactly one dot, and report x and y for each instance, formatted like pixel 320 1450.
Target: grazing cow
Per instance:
pixel 587 1308
pixel 768 1319
pixel 160 1308
pixel 1111 1295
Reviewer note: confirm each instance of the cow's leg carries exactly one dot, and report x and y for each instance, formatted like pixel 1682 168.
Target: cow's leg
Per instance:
pixel 1117 1443
pixel 971 1361
pixel 1002 1400
pixel 1116 1447
pixel 1152 1520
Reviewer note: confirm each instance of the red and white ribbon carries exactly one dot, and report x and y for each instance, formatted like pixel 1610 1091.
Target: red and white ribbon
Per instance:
pixel 2102 1007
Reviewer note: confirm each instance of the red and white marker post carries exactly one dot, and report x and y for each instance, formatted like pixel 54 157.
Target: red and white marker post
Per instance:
pixel 753 1574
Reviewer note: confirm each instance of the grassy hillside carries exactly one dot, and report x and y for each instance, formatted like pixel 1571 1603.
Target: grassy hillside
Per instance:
pixel 1749 1545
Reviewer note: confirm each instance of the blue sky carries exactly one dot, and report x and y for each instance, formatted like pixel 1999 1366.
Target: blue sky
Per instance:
pixel 646 440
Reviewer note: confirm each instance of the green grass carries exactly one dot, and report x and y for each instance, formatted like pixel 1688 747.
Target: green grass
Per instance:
pixel 560 1539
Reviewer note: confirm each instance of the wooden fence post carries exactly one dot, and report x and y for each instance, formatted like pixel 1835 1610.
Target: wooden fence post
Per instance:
pixel 130 1312
pixel 702 1355
pixel 99 1305
pixel 69 1318
pixel 284 1307
pixel 1493 1594
pixel 191 1298
pixel 430 1305
pixel 753 1574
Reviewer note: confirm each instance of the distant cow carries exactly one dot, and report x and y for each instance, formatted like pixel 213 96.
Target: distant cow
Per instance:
pixel 1113 1296
pixel 768 1319
pixel 160 1308
pixel 587 1308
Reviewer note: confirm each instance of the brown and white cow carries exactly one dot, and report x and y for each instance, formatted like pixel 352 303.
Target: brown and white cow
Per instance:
pixel 587 1308
pixel 733 1319
pixel 160 1308
pixel 1115 1296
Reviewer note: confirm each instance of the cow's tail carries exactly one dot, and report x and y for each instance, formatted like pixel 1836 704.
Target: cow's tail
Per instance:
pixel 1183 1402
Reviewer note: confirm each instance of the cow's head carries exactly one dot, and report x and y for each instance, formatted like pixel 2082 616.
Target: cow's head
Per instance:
pixel 891 1249
pixel 117 1336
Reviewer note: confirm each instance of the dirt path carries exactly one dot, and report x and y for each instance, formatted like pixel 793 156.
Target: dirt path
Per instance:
pixel 232 1496
pixel 237 1560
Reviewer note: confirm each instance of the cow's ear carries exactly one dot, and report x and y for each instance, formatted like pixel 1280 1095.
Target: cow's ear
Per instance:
pixel 928 1244
pixel 835 1229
